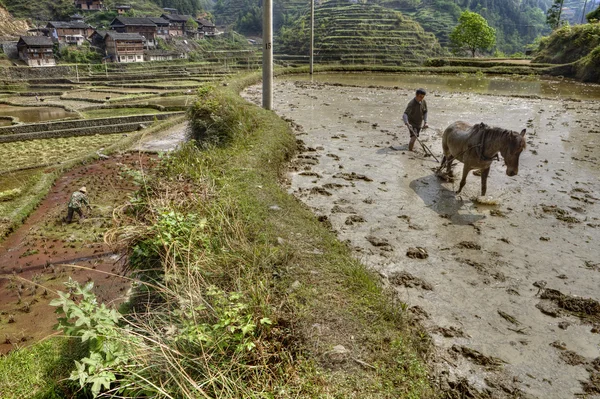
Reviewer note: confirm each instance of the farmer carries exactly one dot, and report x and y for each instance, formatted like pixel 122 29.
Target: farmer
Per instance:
pixel 77 201
pixel 414 116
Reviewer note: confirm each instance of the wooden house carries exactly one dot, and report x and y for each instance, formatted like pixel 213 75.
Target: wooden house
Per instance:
pixel 94 5
pixel 162 27
pixel 74 32
pixel 176 23
pixel 124 47
pixel 206 27
pixel 122 9
pixel 142 26
pixel 36 51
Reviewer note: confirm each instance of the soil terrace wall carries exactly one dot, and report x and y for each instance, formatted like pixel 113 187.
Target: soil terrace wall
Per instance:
pixel 81 124
pixel 85 127
pixel 25 73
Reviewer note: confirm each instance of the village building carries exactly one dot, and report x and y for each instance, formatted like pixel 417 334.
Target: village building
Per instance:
pixel 124 47
pixel 162 27
pixel 176 23
pixel 163 55
pixel 73 32
pixel 142 26
pixel 91 5
pixel 206 27
pixel 36 51
pixel 122 9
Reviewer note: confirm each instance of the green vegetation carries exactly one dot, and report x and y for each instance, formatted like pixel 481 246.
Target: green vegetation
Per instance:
pixel 114 112
pixel 233 274
pixel 568 44
pixel 360 33
pixel 473 33
pixel 594 16
pixel 79 55
pixel 49 151
pixel 36 372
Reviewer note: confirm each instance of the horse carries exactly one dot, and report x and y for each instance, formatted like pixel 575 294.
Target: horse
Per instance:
pixel 477 146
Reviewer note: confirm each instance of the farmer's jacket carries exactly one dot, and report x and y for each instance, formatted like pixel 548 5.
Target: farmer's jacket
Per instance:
pixel 78 199
pixel 415 113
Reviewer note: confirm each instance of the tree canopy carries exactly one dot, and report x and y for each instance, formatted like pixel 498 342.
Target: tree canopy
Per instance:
pixel 473 33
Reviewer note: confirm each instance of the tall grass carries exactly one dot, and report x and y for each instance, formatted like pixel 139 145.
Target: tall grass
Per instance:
pixel 239 291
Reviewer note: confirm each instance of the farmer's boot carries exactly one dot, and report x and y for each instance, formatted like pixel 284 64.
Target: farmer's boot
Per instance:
pixel 411 143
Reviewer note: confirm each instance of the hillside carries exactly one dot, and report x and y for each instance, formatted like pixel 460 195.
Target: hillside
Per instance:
pixel 360 33
pixel 10 27
pixel 578 47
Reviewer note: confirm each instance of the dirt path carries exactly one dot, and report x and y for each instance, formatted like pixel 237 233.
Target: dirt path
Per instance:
pixel 483 289
pixel 167 140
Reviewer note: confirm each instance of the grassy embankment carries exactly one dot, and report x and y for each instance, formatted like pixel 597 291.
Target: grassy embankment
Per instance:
pixel 243 292
pixel 576 49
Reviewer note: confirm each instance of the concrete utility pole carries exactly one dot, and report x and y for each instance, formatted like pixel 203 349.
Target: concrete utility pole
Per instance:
pixel 583 12
pixel 312 34
pixel 267 66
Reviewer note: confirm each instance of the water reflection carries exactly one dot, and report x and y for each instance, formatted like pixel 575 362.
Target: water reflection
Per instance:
pixel 545 87
pixel 35 114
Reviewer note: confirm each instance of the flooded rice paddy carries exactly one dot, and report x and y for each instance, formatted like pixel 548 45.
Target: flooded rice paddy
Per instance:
pixel 468 83
pixel 36 114
pixel 507 286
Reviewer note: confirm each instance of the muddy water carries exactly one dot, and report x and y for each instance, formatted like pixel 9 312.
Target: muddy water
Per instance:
pixel 524 86
pixel 479 287
pixel 35 114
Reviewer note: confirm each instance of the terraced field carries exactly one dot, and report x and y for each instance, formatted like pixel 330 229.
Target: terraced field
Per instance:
pixel 362 34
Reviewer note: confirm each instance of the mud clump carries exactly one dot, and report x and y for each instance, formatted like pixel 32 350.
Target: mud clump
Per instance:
pixel 417 253
pixel 572 358
pixel 350 220
pixel 584 307
pixel 320 191
pixel 406 279
pixel 352 176
pixel 560 214
pixel 477 357
pixel 468 245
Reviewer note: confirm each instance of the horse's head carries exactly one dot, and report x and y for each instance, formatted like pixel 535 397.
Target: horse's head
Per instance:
pixel 512 152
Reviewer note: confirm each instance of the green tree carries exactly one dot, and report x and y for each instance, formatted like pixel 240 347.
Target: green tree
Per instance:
pixel 553 14
pixel 473 33
pixel 594 15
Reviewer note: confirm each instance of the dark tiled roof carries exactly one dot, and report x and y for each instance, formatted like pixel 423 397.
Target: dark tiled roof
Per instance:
pixel 132 21
pixel 131 37
pixel 37 40
pixel 176 17
pixel 68 25
pixel 159 21
pixel 101 33
pixel 204 22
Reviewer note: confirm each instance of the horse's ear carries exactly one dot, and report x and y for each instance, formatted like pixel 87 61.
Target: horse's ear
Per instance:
pixel 523 132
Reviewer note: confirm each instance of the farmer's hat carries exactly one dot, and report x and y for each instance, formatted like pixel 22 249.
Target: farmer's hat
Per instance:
pixel 83 190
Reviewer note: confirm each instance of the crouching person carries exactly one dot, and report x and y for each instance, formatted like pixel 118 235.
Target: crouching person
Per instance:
pixel 78 200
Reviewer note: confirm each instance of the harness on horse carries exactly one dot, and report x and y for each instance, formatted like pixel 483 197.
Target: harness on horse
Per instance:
pixel 481 150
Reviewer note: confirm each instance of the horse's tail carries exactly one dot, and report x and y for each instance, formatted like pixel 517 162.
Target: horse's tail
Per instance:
pixel 445 147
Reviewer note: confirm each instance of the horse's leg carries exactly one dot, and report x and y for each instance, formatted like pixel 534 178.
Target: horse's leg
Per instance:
pixel 463 180
pixel 449 160
pixel 484 175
